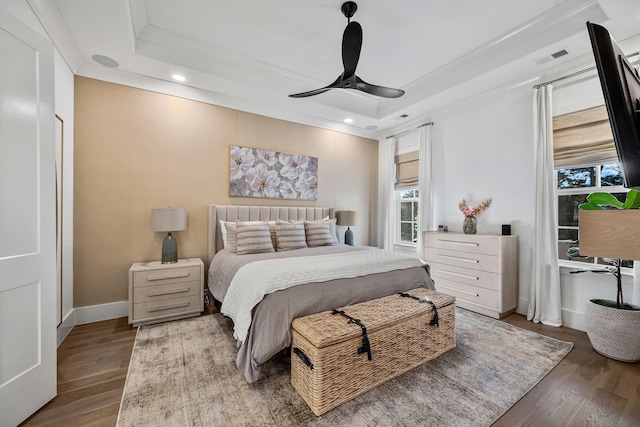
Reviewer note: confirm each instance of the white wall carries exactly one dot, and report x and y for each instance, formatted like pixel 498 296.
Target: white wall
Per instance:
pixel 64 103
pixel 483 149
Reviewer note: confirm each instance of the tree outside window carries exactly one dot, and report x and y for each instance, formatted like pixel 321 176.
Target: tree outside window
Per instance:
pixel 408 216
pixel 574 185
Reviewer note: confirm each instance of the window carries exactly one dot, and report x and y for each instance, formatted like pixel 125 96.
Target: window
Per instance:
pixel 407 231
pixel 574 185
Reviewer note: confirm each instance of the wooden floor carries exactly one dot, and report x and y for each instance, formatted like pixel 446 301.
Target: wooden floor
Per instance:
pixel 584 389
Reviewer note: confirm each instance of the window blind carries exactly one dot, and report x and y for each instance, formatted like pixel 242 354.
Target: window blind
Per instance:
pixel 407 170
pixel 583 138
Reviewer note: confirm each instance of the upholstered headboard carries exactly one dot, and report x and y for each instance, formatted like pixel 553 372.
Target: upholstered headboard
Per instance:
pixel 256 213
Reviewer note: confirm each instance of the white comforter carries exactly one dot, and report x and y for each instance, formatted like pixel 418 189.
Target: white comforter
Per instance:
pixel 253 281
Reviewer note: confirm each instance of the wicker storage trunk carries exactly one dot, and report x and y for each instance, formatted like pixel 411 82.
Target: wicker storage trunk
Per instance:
pixel 326 368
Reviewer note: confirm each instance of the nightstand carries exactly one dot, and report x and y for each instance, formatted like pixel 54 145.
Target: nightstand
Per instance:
pixel 160 292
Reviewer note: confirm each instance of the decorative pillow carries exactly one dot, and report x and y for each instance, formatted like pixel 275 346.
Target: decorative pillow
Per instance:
pixel 290 235
pixel 232 242
pixel 225 225
pixel 332 228
pixel 253 238
pixel 318 233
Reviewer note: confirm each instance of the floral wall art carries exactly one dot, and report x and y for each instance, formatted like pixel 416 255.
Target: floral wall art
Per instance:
pixel 271 174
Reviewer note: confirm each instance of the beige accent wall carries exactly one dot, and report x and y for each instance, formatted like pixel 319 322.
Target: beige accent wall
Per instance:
pixel 136 150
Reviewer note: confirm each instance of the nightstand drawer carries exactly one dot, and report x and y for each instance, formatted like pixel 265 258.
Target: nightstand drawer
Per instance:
pixel 155 309
pixel 165 275
pixel 463 243
pixel 474 261
pixel 473 294
pixel 168 291
pixel 482 279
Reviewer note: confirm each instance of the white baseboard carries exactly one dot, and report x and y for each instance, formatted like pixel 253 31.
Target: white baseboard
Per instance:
pixel 90 314
pixel 66 326
pixel 573 320
pixel 97 313
pixel 570 319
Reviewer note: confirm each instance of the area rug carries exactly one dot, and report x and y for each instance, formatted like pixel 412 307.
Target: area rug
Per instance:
pixel 183 373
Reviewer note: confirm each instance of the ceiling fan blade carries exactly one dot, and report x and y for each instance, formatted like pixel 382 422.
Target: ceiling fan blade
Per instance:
pixel 336 84
pixel 385 92
pixel 309 93
pixel 351 45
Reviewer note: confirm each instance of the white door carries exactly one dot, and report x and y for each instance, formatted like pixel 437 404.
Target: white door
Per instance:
pixel 27 222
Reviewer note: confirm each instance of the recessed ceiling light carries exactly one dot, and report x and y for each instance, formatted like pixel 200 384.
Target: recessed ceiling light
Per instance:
pixel 105 60
pixel 348 120
pixel 178 77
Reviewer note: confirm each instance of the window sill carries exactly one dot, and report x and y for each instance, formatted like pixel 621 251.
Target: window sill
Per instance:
pixel 576 265
pixel 407 245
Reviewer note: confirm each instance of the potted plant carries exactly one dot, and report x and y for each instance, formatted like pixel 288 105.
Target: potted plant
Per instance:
pixel 609 229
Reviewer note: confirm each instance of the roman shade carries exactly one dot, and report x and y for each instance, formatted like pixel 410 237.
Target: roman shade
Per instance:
pixel 583 138
pixel 407 170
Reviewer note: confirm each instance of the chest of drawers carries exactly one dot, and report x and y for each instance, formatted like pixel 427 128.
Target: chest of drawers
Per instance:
pixel 480 270
pixel 160 292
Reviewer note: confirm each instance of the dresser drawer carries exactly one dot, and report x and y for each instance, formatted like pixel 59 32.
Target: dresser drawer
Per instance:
pixel 168 291
pixel 154 309
pixel 463 243
pixel 475 261
pixel 482 279
pixel 476 295
pixel 164 276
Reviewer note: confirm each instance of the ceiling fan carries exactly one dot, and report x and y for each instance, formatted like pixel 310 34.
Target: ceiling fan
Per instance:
pixel 351 45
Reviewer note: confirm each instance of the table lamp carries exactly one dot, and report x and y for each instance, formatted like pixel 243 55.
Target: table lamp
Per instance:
pixel 347 218
pixel 169 219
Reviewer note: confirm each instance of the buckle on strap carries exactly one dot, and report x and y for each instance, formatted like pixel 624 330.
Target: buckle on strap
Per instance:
pixel 365 339
pixel 435 320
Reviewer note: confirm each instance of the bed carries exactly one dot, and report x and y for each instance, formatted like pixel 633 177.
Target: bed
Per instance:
pixel 260 283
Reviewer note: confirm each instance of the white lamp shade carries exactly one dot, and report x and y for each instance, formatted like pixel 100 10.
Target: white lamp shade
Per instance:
pixel 169 219
pixel 347 218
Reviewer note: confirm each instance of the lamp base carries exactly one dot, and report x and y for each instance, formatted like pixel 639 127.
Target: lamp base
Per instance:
pixel 348 237
pixel 169 250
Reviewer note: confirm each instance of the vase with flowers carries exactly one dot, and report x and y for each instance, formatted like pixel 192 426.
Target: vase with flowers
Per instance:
pixel 469 226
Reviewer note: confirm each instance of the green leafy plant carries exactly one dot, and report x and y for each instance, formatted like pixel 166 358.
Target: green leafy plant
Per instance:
pixel 601 201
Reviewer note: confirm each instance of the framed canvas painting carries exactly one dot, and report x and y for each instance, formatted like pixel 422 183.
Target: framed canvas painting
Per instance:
pixel 271 174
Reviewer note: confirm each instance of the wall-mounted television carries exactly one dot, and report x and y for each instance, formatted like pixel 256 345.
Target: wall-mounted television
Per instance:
pixel 620 83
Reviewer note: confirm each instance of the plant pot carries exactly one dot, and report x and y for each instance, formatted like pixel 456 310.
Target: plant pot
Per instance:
pixel 613 332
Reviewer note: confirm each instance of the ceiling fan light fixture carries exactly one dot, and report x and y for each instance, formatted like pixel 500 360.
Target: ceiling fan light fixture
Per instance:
pixel 351 46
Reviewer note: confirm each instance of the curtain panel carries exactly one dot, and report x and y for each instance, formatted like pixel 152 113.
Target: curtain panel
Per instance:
pixel 386 196
pixel 583 138
pixel 544 297
pixel 426 220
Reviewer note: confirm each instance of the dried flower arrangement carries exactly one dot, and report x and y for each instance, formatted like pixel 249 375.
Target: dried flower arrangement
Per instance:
pixel 468 212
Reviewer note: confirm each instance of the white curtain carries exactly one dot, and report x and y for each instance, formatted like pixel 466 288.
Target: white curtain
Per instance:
pixel 426 219
pixel 544 299
pixel 386 194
